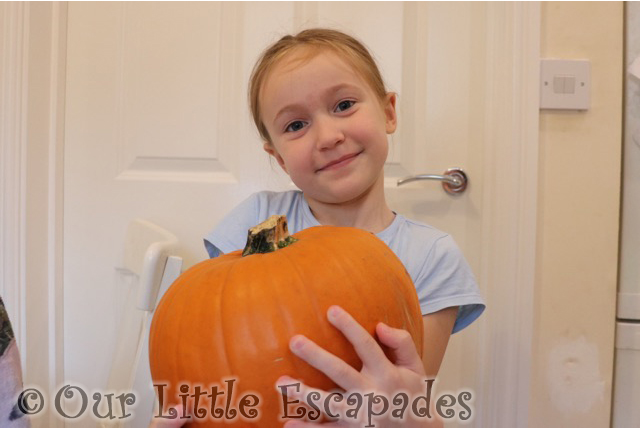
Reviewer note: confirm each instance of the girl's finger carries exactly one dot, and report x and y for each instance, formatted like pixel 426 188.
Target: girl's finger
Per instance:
pixel 401 344
pixel 341 373
pixel 364 344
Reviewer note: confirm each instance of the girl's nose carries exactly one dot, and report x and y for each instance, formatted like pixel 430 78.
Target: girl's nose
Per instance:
pixel 329 133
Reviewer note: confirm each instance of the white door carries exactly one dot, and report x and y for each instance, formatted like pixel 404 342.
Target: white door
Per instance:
pixel 157 127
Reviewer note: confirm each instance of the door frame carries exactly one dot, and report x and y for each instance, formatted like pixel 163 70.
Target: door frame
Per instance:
pixel 508 262
pixel 32 79
pixel 31 224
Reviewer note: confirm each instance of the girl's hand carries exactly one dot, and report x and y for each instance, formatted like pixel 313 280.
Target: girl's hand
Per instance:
pixel 378 375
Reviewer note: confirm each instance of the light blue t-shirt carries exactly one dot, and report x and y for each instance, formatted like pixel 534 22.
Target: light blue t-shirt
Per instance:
pixel 436 265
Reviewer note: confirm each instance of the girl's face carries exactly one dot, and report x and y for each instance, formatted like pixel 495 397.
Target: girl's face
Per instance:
pixel 327 126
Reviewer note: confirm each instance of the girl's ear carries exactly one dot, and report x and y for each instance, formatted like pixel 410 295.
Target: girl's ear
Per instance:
pixel 390 112
pixel 268 147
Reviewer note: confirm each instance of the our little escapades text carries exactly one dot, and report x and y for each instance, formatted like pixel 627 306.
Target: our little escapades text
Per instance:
pixel 365 406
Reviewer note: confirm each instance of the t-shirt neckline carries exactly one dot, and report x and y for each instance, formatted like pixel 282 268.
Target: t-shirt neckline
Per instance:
pixel 383 234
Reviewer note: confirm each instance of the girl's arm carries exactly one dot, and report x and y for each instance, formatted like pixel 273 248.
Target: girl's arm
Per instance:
pixel 437 331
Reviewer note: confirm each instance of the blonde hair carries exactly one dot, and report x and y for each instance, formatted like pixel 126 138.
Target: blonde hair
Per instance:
pixel 315 40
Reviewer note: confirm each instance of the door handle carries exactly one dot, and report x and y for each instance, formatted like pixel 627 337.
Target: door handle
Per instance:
pixel 454 180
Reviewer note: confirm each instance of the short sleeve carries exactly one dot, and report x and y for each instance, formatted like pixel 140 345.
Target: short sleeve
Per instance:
pixel 231 233
pixel 446 280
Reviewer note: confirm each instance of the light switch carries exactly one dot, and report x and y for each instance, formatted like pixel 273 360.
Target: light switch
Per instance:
pixel 565 84
pixel 570 84
pixel 558 84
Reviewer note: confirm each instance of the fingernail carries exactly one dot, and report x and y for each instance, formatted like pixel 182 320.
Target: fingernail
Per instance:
pixel 296 343
pixel 333 313
pixel 285 380
pixel 382 327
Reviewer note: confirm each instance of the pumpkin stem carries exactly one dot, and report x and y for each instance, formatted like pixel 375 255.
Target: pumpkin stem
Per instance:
pixel 270 235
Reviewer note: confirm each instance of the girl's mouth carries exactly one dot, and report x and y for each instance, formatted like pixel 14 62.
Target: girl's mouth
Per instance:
pixel 340 162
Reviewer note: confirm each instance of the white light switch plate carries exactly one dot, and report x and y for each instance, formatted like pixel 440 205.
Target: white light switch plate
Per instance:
pixel 565 84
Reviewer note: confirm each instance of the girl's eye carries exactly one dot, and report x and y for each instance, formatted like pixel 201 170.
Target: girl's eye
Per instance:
pixel 345 105
pixel 295 126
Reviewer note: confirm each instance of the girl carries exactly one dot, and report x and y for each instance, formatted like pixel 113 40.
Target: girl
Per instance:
pixel 322 111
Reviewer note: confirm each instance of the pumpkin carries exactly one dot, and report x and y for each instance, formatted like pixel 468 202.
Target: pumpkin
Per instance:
pixel 232 317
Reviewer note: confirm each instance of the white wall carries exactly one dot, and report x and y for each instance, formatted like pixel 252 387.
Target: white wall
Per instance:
pixel 578 220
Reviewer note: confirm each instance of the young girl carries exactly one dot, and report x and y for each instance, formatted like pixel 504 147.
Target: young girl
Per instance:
pixel 323 113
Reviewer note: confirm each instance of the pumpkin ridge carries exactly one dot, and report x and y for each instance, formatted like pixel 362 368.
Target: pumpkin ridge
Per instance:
pixel 223 316
pixel 214 296
pixel 329 241
pixel 185 324
pixel 400 296
pixel 169 299
pixel 235 371
pixel 353 289
pixel 227 333
pixel 287 323
pixel 275 323
pixel 313 299
pixel 179 340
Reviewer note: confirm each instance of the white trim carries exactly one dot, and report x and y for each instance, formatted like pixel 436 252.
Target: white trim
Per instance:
pixel 13 139
pixel 55 203
pixel 529 114
pixel 510 203
pixel 27 131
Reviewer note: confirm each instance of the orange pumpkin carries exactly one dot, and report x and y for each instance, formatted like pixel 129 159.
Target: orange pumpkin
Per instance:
pixel 232 317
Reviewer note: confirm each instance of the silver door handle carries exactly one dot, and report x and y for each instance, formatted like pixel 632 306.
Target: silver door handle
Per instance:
pixel 454 180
